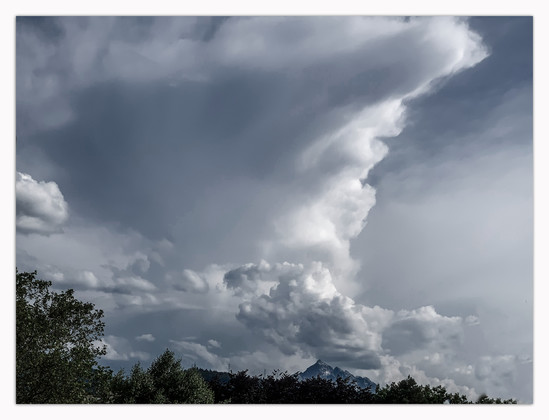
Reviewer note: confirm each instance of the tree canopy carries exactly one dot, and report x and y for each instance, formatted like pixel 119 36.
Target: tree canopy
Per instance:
pixel 56 343
pixel 164 382
pixel 283 388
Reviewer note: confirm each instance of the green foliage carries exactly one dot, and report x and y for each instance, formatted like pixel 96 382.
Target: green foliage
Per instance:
pixel 218 384
pixel 56 344
pixel 484 399
pixel 164 382
pixel 318 391
pixel 141 388
pixel 282 388
pixel 177 385
pixel 196 390
pixel 245 389
pixel 100 385
pixel 324 391
pixel 348 393
pixel 408 391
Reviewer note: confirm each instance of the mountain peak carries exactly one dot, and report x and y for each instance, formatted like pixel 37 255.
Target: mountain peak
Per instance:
pixel 323 370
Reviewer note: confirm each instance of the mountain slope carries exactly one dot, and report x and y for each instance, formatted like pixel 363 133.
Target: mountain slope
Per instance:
pixel 325 371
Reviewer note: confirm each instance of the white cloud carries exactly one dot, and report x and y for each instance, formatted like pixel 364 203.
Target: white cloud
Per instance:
pixel 145 337
pixel 92 50
pixel 191 281
pixel 141 264
pixel 187 281
pixel 41 207
pixel 129 280
pixel 199 352
pixel 282 43
pixel 422 329
pixel 496 368
pixel 254 278
pixel 472 320
pixel 87 279
pixel 132 283
pixel 321 224
pixel 304 316
pixel 305 312
pixel 395 369
pixel 119 348
pixel 214 343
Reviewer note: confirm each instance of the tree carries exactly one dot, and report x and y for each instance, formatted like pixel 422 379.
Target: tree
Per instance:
pixel 281 388
pixel 484 399
pixel 177 385
pixel 56 344
pixel 164 382
pixel 315 390
pixel 141 388
pixel 408 391
pixel 196 390
pixel 101 385
pixel 219 388
pixel 245 389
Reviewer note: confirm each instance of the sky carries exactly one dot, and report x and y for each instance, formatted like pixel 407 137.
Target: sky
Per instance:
pixel 265 192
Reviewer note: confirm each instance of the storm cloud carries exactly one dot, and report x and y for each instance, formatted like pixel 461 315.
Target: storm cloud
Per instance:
pixel 223 174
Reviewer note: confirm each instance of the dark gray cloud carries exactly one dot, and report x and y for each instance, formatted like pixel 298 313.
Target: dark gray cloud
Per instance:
pixel 246 121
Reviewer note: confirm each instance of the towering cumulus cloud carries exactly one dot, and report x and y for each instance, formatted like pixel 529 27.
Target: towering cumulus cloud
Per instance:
pixel 218 170
pixel 303 311
pixel 305 308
